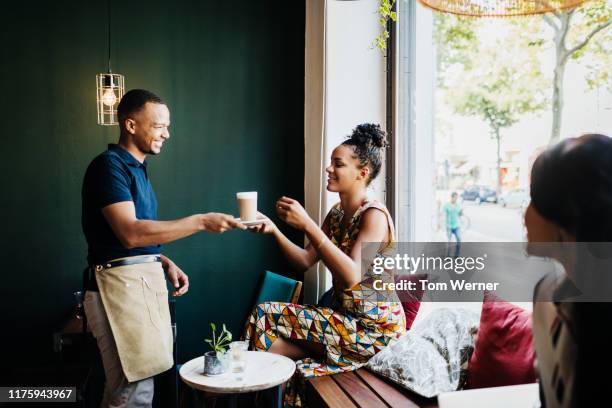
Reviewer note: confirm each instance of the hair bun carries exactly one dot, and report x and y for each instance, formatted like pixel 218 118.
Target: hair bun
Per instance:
pixel 368 140
pixel 370 134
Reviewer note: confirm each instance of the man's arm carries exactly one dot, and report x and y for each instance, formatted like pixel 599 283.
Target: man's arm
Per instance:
pixel 133 232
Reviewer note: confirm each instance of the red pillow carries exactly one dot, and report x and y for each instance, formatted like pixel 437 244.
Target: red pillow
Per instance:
pixel 410 299
pixel 504 352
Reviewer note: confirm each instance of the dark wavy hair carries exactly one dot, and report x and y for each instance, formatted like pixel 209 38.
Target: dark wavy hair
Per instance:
pixel 571 185
pixel 369 141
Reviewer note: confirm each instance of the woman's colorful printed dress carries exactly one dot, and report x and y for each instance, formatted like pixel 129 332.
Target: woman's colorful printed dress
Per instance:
pixel 361 322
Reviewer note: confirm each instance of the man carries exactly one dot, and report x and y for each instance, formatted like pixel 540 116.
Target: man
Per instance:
pixel 452 212
pixel 126 302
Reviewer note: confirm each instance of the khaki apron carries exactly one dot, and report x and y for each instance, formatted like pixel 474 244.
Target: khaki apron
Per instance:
pixel 135 299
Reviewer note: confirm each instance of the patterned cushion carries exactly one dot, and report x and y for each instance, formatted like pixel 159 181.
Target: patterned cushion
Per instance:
pixel 432 357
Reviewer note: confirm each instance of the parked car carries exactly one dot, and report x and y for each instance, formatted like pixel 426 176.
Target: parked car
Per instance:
pixel 479 194
pixel 517 197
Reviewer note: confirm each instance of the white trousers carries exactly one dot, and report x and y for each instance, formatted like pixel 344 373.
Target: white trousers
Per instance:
pixel 118 392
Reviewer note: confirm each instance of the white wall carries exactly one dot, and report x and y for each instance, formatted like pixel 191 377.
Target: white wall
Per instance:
pixel 354 93
pixel 355 75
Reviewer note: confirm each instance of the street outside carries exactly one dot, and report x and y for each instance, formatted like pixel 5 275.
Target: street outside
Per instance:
pixel 489 222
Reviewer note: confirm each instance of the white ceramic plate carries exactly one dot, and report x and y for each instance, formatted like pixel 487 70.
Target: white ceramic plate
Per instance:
pixel 259 220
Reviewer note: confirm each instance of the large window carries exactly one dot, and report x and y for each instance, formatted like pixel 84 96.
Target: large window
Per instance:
pixel 478 99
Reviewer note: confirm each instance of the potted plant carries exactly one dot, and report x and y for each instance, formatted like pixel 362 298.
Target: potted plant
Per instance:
pixel 215 361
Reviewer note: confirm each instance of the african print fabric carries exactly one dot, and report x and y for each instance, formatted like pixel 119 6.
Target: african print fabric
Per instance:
pixel 362 321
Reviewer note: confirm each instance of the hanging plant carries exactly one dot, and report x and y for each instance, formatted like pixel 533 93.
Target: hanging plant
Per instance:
pixel 385 12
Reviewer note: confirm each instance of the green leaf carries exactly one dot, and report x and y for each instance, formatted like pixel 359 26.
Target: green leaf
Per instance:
pixel 219 343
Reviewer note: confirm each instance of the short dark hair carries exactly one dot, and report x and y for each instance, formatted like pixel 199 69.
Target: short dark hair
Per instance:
pixel 133 101
pixel 571 185
pixel 368 140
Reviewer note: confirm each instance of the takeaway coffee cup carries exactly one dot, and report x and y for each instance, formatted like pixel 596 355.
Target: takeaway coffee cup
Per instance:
pixel 247 205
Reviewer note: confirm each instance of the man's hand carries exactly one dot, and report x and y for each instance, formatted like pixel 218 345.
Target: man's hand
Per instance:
pixel 219 223
pixel 176 276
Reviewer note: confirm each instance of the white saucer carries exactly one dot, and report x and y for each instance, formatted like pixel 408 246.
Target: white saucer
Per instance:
pixel 259 220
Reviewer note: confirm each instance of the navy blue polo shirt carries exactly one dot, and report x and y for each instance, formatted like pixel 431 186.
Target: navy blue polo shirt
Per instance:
pixel 112 177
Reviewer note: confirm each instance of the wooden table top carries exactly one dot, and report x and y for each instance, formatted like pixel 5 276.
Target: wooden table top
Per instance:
pixel 263 371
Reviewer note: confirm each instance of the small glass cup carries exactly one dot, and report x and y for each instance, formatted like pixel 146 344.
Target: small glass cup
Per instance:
pixel 238 355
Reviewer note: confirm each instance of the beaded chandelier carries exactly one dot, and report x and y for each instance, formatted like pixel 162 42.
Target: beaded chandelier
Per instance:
pixel 500 8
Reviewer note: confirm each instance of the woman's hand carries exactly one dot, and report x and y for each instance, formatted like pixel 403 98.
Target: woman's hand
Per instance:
pixel 292 212
pixel 266 227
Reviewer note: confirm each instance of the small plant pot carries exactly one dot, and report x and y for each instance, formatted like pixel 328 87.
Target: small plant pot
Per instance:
pixel 214 364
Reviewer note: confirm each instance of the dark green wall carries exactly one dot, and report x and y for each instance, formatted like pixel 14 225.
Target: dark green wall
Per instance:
pixel 233 76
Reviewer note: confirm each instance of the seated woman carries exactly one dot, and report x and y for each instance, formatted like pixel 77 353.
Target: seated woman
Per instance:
pixel 571 207
pixel 354 326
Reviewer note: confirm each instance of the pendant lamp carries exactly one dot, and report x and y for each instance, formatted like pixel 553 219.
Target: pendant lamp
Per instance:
pixel 109 87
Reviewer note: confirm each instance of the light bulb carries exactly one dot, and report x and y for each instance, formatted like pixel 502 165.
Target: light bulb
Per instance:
pixel 108 98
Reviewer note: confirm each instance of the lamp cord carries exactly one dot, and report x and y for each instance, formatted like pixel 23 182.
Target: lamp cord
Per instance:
pixel 109 36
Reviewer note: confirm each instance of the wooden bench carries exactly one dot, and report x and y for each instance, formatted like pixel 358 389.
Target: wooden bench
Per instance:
pixel 361 388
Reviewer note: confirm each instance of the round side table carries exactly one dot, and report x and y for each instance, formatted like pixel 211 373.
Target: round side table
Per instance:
pixel 263 371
